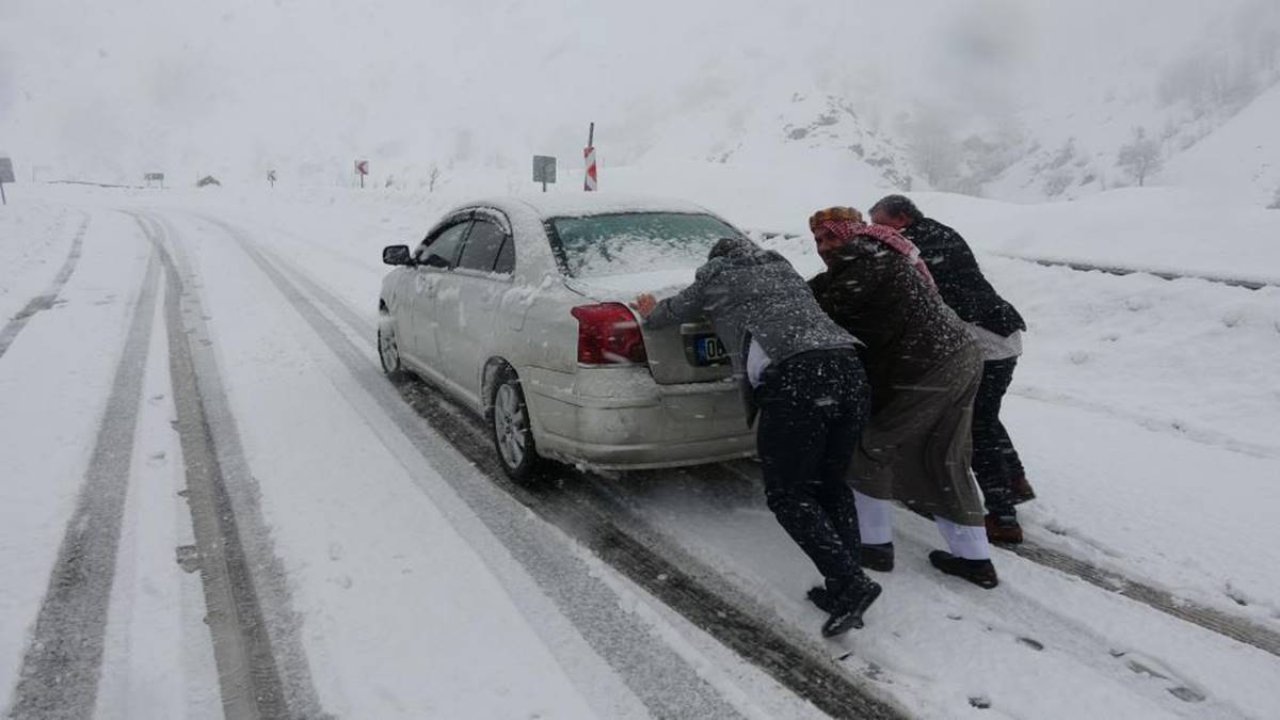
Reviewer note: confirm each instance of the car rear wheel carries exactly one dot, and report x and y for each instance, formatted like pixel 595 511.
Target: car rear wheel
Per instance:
pixel 509 426
pixel 389 349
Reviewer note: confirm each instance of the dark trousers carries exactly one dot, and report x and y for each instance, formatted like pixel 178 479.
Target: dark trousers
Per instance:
pixel 812 410
pixel 995 461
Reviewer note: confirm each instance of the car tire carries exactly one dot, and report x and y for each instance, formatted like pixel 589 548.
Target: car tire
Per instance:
pixel 389 349
pixel 509 427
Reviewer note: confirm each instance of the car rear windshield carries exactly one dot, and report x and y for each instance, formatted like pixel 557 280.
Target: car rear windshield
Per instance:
pixel 624 243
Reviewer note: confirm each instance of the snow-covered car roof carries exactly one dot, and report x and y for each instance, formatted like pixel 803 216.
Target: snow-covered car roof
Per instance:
pixel 582 204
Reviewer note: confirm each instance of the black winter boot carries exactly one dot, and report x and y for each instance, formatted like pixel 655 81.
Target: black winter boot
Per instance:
pixel 819 596
pixel 979 572
pixel 848 603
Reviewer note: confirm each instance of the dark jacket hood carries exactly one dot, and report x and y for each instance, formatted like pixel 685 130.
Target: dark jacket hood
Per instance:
pixel 734 248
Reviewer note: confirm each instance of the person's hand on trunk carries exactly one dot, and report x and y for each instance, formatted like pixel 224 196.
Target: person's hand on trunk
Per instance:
pixel 644 304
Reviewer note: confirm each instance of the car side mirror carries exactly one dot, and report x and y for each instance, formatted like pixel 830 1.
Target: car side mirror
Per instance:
pixel 396 255
pixel 435 261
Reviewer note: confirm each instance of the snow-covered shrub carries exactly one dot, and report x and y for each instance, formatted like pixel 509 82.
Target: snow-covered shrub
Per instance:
pixel 1057 183
pixel 1140 157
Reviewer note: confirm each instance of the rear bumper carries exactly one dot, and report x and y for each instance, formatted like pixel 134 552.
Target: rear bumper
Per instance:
pixel 639 456
pixel 620 418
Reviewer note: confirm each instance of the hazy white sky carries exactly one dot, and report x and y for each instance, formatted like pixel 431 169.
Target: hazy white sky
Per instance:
pixel 238 85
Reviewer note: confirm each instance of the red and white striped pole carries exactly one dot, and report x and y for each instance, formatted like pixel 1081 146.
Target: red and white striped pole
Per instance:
pixel 589 180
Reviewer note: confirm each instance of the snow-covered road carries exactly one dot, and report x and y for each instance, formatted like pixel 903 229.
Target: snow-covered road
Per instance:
pixel 355 553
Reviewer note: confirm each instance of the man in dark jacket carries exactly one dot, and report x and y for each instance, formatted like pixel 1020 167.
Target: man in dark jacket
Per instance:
pixel 998 328
pixel 924 368
pixel 803 373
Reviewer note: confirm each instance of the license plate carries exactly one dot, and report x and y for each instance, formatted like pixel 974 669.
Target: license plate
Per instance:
pixel 708 350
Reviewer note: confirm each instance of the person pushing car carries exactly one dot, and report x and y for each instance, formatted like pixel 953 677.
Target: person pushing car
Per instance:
pixel 801 373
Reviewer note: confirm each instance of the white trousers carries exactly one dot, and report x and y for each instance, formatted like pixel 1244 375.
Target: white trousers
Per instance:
pixel 875 526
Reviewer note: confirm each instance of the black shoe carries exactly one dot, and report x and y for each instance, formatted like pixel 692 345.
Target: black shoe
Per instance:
pixel 979 572
pixel 848 606
pixel 820 597
pixel 876 557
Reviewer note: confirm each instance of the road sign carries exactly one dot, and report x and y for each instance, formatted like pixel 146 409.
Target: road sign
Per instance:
pixel 154 177
pixel 544 170
pixel 362 167
pixel 271 177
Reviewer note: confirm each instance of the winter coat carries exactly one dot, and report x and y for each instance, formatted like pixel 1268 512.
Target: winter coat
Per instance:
pixel 960 281
pixel 917 448
pixel 753 294
pixel 875 294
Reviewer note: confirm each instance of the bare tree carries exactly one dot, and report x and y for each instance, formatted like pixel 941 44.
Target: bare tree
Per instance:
pixel 1141 157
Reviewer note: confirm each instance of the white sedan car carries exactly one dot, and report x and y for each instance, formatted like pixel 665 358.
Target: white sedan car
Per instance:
pixel 518 308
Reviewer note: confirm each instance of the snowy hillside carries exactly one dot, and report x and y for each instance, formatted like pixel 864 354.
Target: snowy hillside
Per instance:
pixel 994 97
pixel 1242 157
pixel 1178 84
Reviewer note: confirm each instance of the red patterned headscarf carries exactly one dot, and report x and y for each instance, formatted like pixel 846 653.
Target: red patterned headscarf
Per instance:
pixel 846 223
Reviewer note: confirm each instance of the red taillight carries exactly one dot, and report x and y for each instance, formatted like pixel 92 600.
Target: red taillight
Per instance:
pixel 608 334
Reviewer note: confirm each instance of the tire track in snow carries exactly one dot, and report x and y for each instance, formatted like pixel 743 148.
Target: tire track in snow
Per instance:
pixel 653 671
pixel 1162 274
pixel 45 300
pixel 1230 626
pixel 1237 628
pixel 60 670
pixel 262 670
pixel 1167 426
pixel 1027 619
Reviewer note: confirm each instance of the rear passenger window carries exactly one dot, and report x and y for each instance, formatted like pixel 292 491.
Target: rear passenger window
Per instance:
pixel 506 257
pixel 483 247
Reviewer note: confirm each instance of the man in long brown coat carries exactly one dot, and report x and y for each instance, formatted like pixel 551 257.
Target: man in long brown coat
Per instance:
pixel 924 367
pixel 998 327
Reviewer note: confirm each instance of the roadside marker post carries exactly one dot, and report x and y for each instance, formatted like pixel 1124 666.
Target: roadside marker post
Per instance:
pixel 589 180
pixel 6 176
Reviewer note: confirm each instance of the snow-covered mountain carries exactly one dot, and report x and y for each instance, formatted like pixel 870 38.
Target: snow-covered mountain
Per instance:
pixel 1009 99
pixel 1182 97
